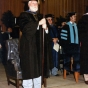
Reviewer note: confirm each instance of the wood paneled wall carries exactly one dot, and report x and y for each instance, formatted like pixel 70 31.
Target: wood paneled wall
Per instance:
pixel 16 6
pixel 55 7
pixel 62 7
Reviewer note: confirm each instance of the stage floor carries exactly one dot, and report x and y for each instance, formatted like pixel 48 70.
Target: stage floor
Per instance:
pixel 52 82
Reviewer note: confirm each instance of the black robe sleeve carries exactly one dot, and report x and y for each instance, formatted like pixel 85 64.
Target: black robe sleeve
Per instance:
pixel 28 25
pixel 65 42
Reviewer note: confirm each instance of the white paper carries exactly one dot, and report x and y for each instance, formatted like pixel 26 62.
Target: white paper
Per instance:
pixel 56 47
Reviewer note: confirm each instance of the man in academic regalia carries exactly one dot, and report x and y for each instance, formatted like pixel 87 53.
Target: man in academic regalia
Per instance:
pixel 83 33
pixel 29 59
pixel 70 43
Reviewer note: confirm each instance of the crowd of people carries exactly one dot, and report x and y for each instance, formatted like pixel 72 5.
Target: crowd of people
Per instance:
pixel 65 33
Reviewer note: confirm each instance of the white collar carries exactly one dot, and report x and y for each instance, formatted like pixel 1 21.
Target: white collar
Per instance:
pixel 71 22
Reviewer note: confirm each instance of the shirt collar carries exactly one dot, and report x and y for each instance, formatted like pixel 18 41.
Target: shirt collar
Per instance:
pixel 72 23
pixel 31 12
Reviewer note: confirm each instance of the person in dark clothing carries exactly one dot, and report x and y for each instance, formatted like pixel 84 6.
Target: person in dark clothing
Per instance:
pixel 29 46
pixel 1 40
pixel 5 36
pixel 69 40
pixel 2 47
pixel 83 33
pixel 53 31
pixel 61 21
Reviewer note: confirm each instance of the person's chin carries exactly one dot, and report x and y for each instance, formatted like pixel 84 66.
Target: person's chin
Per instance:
pixel 34 10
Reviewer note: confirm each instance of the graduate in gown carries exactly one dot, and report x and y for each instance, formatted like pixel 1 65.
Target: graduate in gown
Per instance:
pixel 83 33
pixel 31 64
pixel 53 32
pixel 71 45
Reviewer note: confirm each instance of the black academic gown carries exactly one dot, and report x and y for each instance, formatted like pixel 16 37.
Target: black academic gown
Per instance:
pixel 68 47
pixel 30 46
pixel 83 33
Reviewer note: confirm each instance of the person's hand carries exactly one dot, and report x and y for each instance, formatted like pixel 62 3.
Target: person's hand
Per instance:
pixel 42 21
pixel 55 40
pixel 44 26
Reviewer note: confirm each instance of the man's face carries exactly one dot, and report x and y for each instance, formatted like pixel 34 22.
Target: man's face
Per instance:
pixel 33 5
pixel 73 18
pixel 50 21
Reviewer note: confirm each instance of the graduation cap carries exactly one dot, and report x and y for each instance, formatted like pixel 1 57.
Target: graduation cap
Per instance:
pixel 49 15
